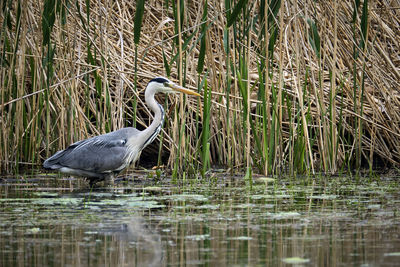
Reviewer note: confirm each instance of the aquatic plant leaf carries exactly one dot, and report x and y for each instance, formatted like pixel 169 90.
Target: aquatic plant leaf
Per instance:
pixel 34 230
pixel 295 260
pixel 91 232
pixel 245 206
pixel 323 197
pixel 183 197
pixel 153 188
pixel 144 204
pixel 56 201
pixel 209 207
pixel 396 254
pixel 197 237
pixel 284 215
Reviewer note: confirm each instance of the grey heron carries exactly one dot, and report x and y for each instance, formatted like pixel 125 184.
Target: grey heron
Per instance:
pixel 104 156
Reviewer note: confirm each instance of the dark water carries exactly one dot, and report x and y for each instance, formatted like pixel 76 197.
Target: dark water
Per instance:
pixel 217 222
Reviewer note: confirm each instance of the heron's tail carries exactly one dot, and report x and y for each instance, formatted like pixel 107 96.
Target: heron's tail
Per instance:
pixel 52 163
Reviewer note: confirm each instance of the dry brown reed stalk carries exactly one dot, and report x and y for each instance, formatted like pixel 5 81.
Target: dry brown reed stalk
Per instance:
pixel 320 113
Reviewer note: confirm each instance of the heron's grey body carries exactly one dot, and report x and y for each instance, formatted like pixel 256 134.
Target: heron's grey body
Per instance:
pixel 97 157
pixel 101 157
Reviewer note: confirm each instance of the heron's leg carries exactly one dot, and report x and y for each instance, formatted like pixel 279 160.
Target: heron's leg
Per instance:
pixel 109 179
pixel 92 182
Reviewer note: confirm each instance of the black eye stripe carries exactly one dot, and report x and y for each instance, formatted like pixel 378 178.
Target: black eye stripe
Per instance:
pixel 159 80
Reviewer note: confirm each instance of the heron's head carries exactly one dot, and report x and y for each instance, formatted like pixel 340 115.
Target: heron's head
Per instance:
pixel 163 85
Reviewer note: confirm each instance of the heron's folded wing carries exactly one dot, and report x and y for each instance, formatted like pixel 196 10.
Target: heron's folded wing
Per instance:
pixel 53 161
pixel 95 154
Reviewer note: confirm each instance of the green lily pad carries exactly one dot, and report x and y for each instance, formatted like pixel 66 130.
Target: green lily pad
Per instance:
pixel 396 254
pixel 284 215
pixel 295 260
pixel 245 206
pixel 327 197
pixel 34 230
pixel 153 188
pixel 186 197
pixel 266 180
pixel 91 232
pixel 197 237
pixel 208 207
pixel 144 204
pixel 56 201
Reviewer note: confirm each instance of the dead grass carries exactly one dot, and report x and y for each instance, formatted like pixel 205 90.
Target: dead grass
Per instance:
pixel 322 100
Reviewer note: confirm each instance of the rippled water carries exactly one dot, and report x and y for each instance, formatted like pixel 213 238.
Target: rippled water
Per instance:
pixel 221 221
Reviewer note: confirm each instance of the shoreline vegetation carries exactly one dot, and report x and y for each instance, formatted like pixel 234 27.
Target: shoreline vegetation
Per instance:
pixel 296 87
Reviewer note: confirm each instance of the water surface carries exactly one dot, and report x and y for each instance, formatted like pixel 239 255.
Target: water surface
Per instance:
pixel 220 221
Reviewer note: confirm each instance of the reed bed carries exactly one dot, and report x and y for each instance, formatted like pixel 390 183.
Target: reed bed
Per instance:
pixel 288 86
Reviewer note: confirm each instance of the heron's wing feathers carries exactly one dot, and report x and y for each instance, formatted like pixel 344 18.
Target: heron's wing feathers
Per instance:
pixel 53 161
pixel 100 154
pixel 96 155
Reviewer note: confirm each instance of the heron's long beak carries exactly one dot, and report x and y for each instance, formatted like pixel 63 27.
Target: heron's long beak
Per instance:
pixel 182 90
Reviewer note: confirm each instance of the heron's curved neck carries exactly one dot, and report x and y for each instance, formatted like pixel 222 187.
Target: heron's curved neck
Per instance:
pixel 155 127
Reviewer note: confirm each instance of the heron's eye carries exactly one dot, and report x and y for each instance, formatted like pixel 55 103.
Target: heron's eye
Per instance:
pixel 166 84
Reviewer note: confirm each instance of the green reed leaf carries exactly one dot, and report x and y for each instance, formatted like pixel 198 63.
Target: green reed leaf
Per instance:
pixel 138 20
pixel 235 13
pixel 364 24
pixel 313 38
pixel 202 52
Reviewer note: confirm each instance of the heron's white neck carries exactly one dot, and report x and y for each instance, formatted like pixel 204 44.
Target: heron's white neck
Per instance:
pixel 151 132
